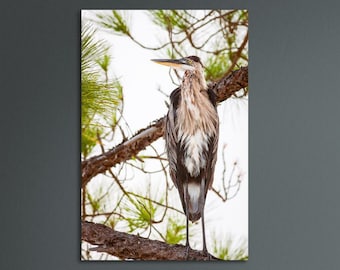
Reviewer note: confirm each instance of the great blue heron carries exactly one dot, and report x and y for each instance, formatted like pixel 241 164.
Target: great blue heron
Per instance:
pixel 191 136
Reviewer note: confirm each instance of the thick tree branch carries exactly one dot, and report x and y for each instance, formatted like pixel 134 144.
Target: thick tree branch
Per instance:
pixel 224 88
pixel 127 246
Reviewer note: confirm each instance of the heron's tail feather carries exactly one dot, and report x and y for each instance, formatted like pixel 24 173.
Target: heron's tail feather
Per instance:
pixel 195 201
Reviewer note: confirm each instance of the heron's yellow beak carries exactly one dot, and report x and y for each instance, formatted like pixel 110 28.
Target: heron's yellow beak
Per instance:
pixel 175 63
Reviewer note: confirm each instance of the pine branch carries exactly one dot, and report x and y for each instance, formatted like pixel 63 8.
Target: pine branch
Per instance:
pixel 224 89
pixel 127 246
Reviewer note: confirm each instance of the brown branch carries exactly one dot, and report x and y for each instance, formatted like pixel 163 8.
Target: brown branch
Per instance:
pixel 237 55
pixel 224 88
pixel 228 85
pixel 122 152
pixel 127 246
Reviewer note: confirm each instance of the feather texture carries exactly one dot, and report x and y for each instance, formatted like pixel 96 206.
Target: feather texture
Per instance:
pixel 191 135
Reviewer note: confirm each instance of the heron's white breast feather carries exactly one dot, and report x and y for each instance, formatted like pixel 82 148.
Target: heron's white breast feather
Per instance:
pixel 194 146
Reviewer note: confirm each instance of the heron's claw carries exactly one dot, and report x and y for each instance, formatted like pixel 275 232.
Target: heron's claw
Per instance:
pixel 186 252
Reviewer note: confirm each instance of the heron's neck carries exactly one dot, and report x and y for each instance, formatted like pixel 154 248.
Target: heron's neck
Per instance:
pixel 194 81
pixel 195 111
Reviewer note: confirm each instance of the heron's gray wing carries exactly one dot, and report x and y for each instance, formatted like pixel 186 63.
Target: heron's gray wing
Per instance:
pixel 213 143
pixel 173 147
pixel 211 157
pixel 171 134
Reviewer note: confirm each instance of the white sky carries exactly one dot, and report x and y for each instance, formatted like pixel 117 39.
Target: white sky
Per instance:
pixel 141 78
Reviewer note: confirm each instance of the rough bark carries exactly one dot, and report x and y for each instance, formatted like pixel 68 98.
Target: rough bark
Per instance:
pixel 224 89
pixel 127 246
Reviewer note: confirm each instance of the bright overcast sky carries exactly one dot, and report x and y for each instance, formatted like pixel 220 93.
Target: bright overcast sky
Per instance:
pixel 141 78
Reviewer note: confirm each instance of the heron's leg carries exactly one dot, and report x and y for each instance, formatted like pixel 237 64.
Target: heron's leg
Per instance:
pixel 205 250
pixel 187 244
pixel 203 232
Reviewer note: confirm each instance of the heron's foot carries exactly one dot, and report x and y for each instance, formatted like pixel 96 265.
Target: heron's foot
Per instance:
pixel 208 255
pixel 186 252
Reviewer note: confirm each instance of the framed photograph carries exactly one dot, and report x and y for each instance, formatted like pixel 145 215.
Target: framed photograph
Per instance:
pixel 164 135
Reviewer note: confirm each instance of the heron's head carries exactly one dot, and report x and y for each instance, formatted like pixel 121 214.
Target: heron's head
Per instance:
pixel 186 63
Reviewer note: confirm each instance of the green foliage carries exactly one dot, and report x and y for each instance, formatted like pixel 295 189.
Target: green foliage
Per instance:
pixel 175 231
pixel 94 203
pixel 225 250
pixel 141 215
pixel 215 67
pixel 89 140
pixel 115 22
pixel 104 62
pixel 111 222
pixel 176 20
pixel 218 37
pixel 100 96
pixel 91 49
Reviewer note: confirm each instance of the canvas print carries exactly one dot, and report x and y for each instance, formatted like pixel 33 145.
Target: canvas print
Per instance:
pixel 164 135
